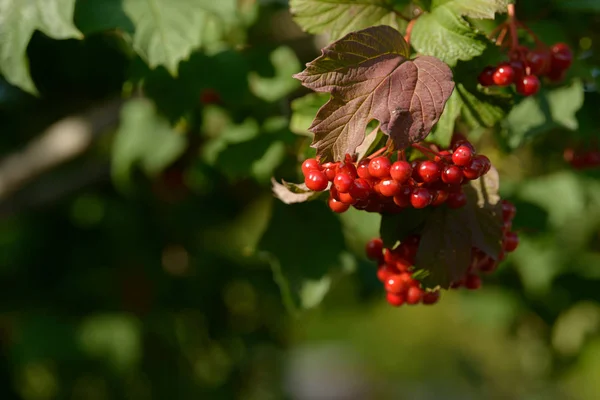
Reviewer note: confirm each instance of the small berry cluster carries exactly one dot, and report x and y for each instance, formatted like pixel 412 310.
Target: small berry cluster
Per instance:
pixel 582 159
pixel 380 184
pixel 396 266
pixel 526 66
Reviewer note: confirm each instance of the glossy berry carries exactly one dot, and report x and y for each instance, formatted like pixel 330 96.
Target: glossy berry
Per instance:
pixel 379 167
pixel 429 171
pixel 309 164
pixel 330 170
pixel 486 77
pixel 439 197
pixel 362 169
pixel 528 85
pixel 452 175
pixel 508 210
pixel 396 284
pixel 538 62
pixel 473 282
pixel 347 168
pixel 402 199
pixel 431 297
pixel 389 187
pixel 414 295
pixel 518 67
pixel 478 166
pixel 360 189
pixel 400 171
pixel 511 241
pixel 346 198
pixel 462 155
pixel 343 182
pixel 316 180
pixel 456 200
pixel 395 300
pixel 374 249
pixel 561 57
pixel 337 206
pixel 504 75
pixel 420 198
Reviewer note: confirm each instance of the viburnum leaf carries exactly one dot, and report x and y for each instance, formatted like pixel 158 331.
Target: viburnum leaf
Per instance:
pixel 369 76
pixel 291 193
pixel 448 235
pixel 339 17
pixel 19 19
pixel 444 32
pixel 396 227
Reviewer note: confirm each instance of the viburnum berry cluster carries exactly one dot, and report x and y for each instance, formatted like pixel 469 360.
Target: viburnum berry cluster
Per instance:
pixel 525 66
pixel 389 184
pixel 582 158
pixel 397 271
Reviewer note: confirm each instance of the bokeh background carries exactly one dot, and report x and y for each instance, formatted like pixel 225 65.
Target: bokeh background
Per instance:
pixel 143 256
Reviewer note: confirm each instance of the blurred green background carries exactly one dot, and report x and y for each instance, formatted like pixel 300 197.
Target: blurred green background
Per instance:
pixel 143 256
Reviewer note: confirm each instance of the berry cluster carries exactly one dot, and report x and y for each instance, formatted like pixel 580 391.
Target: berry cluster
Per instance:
pixel 526 66
pixel 582 159
pixel 387 185
pixel 396 266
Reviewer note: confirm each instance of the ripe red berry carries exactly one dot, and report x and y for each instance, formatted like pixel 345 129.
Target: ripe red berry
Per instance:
pixel 473 282
pixel 316 180
pixel 420 198
pixel 343 182
pixel 346 198
pixel 360 189
pixel 362 169
pixel 400 171
pixel 443 155
pixel 395 284
pixel 431 297
pixel 508 210
pixel 389 187
pixel 402 199
pixel 414 295
pixel 538 62
pixel 329 169
pixel 337 206
pixel 374 249
pixel 452 175
pixel 347 168
pixel 518 67
pixel 395 300
pixel 429 171
pixel 511 242
pixel 504 75
pixel 477 167
pixel 456 199
pixel 462 155
pixel 561 57
pixel 309 164
pixel 528 85
pixel 488 265
pixel 486 77
pixel 379 167
pixel 439 197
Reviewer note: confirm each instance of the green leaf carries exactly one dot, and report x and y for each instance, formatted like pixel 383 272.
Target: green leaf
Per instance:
pixel 304 110
pixel 272 89
pixel 444 129
pixel 340 17
pixel 549 109
pixel 445 34
pixel 19 19
pixel 370 77
pixel 578 5
pixel 291 193
pixel 481 109
pixel 143 138
pixel 165 31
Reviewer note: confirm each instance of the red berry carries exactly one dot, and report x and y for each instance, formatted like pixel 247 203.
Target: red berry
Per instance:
pixel 379 167
pixel 347 168
pixel 452 175
pixel 337 206
pixel 458 140
pixel 402 266
pixel 486 77
pixel 556 75
pixel 346 198
pixel 439 197
pixel 309 164
pixel 316 180
pixel 508 210
pixel 429 171
pixel 362 169
pixel 473 282
pixel 443 155
pixel 477 167
pixel 462 155
pixel 504 75
pixel 330 169
pixel 360 189
pixel 414 295
pixel 528 85
pixel 420 198
pixel 395 284
pixel 511 241
pixel 395 300
pixel 402 199
pixel 538 62
pixel 561 56
pixel 400 171
pixel 488 265
pixel 431 297
pixel 389 187
pixel 518 67
pixel 343 182
pixel 384 271
pixel 456 199
pixel 374 249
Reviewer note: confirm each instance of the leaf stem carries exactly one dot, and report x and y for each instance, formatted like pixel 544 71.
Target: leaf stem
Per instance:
pixel 424 149
pixel 531 33
pixel 378 152
pixel 409 29
pixel 512 24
